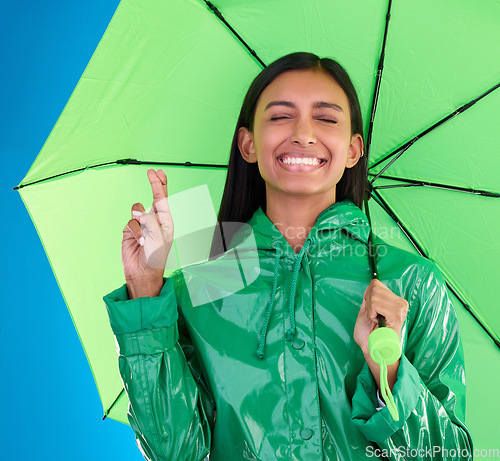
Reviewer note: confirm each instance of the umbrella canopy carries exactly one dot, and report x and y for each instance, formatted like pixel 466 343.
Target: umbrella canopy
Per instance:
pixel 164 88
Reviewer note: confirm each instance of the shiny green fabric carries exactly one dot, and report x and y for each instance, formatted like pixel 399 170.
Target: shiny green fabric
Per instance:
pixel 197 385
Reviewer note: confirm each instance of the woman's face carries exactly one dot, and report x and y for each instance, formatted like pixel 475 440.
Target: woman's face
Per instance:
pixel 302 135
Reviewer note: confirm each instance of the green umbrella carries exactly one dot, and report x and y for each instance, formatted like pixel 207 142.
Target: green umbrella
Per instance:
pixel 163 89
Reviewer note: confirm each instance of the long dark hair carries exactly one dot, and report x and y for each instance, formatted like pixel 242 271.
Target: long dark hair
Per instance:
pixel 245 189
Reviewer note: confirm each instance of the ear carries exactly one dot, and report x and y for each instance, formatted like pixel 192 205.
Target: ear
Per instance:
pixel 355 150
pixel 246 145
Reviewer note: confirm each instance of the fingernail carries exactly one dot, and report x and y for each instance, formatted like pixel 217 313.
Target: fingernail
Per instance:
pixel 136 213
pixel 141 241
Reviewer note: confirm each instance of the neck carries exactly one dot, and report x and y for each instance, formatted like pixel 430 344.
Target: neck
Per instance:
pixel 295 215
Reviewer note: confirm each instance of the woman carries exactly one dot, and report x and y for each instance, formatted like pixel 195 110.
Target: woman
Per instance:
pixel 278 367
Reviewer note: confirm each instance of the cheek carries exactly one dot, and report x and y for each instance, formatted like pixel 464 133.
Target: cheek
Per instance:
pixel 271 135
pixel 266 145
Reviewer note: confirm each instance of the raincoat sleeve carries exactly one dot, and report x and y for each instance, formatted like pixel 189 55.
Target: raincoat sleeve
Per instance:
pixel 169 407
pixel 430 387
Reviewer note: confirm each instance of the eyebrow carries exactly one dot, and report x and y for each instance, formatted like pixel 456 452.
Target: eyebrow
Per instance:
pixel 316 105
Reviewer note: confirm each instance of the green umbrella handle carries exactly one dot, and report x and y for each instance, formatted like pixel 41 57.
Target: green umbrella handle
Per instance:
pixel 383 343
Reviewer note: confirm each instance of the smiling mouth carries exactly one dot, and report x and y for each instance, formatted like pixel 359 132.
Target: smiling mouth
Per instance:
pixel 288 160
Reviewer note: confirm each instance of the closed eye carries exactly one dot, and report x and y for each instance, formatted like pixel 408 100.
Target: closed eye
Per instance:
pixel 279 117
pixel 328 120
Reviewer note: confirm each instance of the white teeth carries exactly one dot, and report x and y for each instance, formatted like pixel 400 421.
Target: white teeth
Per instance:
pixel 300 161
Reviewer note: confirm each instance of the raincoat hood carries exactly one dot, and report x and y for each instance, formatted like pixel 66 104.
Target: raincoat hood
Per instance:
pixel 342 215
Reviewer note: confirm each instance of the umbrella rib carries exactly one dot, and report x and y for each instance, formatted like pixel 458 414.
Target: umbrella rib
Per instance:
pixel 378 198
pixel 401 150
pixel 378 81
pixel 216 11
pixel 126 161
pixel 415 183
pixel 106 413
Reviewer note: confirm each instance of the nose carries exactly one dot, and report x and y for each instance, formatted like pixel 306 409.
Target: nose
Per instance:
pixel 303 133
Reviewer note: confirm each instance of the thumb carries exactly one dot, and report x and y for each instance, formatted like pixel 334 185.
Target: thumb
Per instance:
pixel 148 222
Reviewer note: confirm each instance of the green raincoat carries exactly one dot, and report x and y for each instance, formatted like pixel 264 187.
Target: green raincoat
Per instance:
pixel 188 358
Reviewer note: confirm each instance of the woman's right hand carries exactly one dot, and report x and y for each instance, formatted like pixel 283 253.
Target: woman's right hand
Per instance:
pixel 147 239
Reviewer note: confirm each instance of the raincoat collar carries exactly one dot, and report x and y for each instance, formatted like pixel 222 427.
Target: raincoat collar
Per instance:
pixel 342 215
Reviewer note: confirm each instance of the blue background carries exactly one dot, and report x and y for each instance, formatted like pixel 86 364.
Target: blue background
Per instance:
pixel 50 408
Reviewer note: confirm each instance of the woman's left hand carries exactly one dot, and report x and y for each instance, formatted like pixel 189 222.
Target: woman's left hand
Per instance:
pixel 378 299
